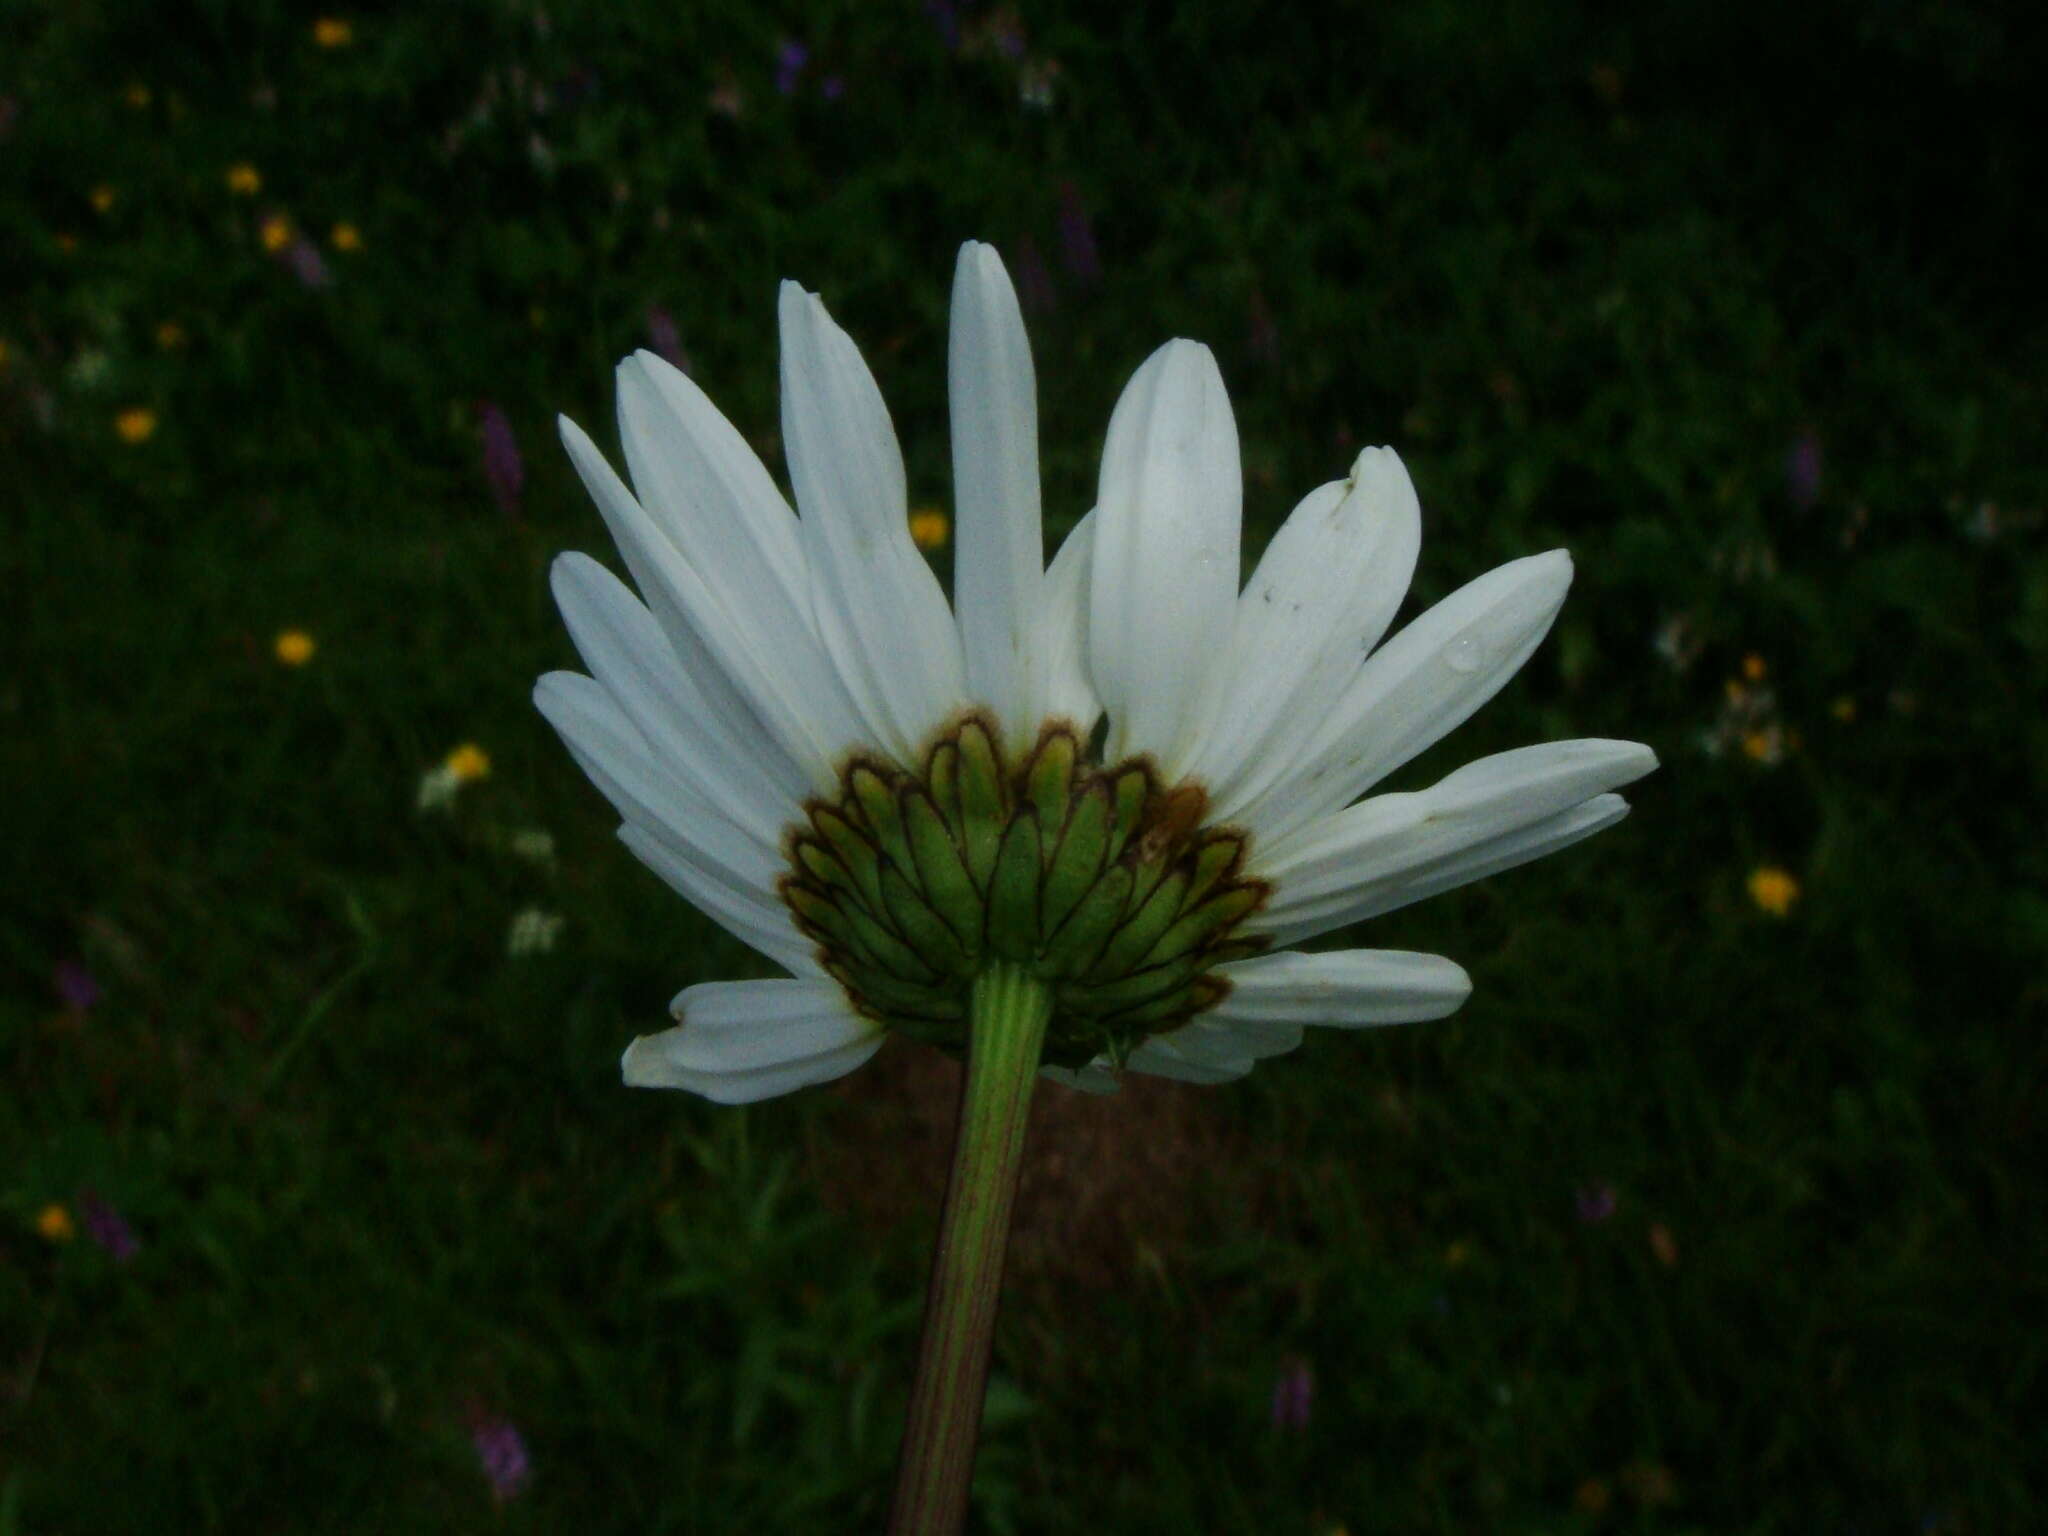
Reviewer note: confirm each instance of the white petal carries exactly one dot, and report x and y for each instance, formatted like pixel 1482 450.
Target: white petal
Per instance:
pixel 1382 836
pixel 712 866
pixel 1062 643
pixel 1158 1057
pixel 1095 1077
pixel 756 919
pixel 708 491
pixel 879 610
pixel 1400 888
pixel 617 759
pixel 1344 988
pixel 742 1041
pixel 744 676
pixel 708 488
pixel 999 547
pixel 1324 593
pixel 1166 551
pixel 1215 1040
pixel 1419 686
pixel 626 651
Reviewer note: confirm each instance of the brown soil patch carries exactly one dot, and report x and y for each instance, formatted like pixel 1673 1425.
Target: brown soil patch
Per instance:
pixel 1111 1185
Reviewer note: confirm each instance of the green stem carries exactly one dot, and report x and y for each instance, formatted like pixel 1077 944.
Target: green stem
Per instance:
pixel 1006 1029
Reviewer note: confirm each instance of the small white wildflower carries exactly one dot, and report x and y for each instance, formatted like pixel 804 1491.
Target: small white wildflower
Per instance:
pixel 1037 84
pixel 533 932
pixel 1679 642
pixel 437 788
pixel 536 845
pixel 89 369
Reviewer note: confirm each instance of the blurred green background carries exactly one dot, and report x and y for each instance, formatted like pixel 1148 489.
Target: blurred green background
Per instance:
pixel 1716 1209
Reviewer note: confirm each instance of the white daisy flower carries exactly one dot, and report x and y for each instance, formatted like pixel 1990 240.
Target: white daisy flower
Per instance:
pixel 532 931
pixel 1118 773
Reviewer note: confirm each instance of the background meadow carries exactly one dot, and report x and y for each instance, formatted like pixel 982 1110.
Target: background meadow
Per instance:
pixel 321 1206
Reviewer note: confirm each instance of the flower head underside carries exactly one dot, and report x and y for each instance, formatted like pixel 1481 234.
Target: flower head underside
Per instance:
pixel 1120 771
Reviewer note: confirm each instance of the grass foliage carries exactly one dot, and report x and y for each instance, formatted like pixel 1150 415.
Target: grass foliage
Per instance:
pixel 1743 306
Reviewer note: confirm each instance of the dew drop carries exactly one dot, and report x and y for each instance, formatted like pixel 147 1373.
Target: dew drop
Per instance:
pixel 1467 653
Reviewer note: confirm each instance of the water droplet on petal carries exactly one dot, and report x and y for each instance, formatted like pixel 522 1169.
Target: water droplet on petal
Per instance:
pixel 1467 653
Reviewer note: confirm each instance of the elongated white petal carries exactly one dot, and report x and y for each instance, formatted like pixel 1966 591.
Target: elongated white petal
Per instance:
pixel 744 675
pixel 1324 593
pixel 1061 646
pixel 1373 897
pixel 742 1041
pixel 1213 1039
pixel 708 489
pixel 1166 552
pixel 1346 989
pixel 688 849
pixel 618 760
pixel 1000 555
pixel 626 651
pixel 757 919
pixel 879 610
pixel 1419 686
pixel 1159 1057
pixel 705 488
pixel 1387 834
pixel 1095 1077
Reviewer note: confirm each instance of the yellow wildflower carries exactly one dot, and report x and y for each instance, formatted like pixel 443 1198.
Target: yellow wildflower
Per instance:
pixel 1753 667
pixel 244 180
pixel 294 647
pixel 54 1222
pixel 137 424
pixel 67 242
pixel 1843 709
pixel 929 528
pixel 276 233
pixel 3 354
pixel 346 237
pixel 1773 889
pixel 468 763
pixel 170 335
pixel 333 32
pixel 1592 1497
pixel 102 199
pixel 137 96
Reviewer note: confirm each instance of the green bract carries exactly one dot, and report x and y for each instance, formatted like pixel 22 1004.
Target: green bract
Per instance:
pixel 1094 879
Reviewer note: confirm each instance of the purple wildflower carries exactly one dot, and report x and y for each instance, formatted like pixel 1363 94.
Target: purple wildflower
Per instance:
pixel 501 457
pixel 790 59
pixel 947 19
pixel 1077 236
pixel 77 987
pixel 1262 336
pixel 107 1227
pixel 501 1452
pixel 1007 33
pixel 664 340
pixel 832 87
pixel 1034 282
pixel 1293 1395
pixel 303 257
pixel 1802 469
pixel 1595 1203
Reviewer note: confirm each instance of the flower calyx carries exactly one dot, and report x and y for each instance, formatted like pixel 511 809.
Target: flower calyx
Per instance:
pixel 1098 881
